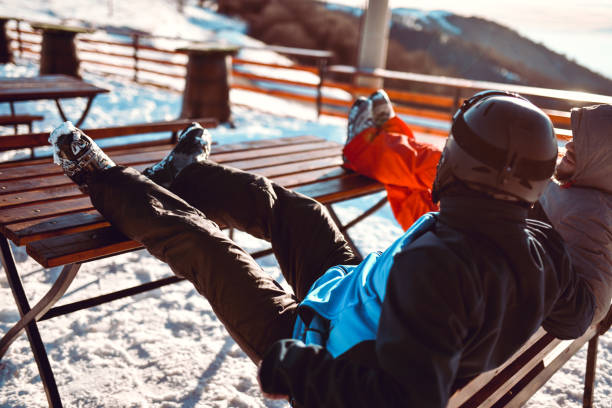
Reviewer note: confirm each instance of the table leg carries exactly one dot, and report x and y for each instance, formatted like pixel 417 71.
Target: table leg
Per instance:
pixel 344 227
pixel 82 118
pixel 13 113
pixel 38 348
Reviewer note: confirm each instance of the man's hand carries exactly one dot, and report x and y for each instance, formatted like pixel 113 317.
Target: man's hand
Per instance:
pixel 265 394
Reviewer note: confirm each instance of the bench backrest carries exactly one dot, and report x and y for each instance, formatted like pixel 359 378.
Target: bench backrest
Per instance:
pixel 519 378
pixel 32 140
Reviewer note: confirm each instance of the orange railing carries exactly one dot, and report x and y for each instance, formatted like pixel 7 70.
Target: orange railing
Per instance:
pixel 135 56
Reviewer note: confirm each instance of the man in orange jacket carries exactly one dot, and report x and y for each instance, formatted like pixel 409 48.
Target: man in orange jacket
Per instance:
pixel 381 146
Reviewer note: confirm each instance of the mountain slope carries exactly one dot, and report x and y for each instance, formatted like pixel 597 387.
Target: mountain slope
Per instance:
pixel 433 42
pixel 465 43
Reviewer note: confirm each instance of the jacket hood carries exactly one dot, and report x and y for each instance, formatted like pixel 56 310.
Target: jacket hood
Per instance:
pixel 592 131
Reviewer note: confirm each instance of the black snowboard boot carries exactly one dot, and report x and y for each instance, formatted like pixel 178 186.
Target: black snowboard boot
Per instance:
pixel 193 146
pixel 382 110
pixel 77 154
pixel 359 117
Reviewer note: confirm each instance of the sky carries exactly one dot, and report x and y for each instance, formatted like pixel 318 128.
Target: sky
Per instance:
pixel 587 15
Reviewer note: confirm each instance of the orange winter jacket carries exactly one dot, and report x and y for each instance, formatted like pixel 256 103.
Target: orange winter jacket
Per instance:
pixel 407 168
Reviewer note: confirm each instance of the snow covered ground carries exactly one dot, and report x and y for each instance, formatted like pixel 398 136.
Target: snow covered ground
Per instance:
pixel 166 348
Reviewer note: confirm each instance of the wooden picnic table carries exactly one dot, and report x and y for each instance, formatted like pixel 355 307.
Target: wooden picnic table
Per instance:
pixel 43 209
pixel 54 87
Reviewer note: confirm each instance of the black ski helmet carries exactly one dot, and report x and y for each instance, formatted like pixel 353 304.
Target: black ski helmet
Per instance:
pixel 501 144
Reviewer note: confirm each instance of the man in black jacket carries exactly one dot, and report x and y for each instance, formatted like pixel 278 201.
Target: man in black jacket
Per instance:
pixel 456 295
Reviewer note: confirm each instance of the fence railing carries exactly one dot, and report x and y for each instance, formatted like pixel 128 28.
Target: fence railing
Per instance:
pixel 440 106
pixel 429 109
pixel 133 56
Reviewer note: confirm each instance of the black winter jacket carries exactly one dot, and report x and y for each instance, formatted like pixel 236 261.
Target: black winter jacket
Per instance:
pixel 460 300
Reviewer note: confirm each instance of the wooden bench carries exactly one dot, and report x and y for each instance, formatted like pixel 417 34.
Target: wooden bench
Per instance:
pixel 42 209
pixel 15 120
pixel 513 383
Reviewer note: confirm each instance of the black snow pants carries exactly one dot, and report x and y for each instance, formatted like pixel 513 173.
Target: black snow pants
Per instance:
pixel 180 228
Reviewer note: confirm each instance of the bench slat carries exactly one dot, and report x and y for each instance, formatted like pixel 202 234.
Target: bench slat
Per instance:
pixel 274 151
pixel 518 367
pixel 286 169
pixel 22 233
pixel 254 144
pixel 33 183
pixel 305 177
pixel 19 119
pixel 49 168
pixel 49 194
pixel 255 164
pixel 352 186
pixel 80 246
pixel 40 210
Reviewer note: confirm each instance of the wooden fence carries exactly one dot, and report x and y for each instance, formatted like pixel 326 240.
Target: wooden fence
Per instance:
pixel 137 57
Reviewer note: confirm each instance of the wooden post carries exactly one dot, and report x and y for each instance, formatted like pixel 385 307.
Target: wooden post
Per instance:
pixel 5 42
pixel 18 28
pixel 58 51
pixel 208 81
pixel 135 43
pixel 322 67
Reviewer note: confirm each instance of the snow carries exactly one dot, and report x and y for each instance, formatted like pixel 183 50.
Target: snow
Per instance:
pixel 166 348
pixel 419 18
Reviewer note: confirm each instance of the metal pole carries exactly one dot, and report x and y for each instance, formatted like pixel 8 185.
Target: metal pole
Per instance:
pixel 589 377
pixel 19 39
pixel 322 66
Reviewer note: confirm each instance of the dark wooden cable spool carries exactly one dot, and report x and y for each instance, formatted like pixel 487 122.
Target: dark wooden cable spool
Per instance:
pixel 5 43
pixel 208 81
pixel 58 53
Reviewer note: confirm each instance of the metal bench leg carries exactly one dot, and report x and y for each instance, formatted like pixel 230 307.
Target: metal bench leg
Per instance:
pixel 589 377
pixel 344 227
pixel 12 105
pixel 51 297
pixel 38 348
pixel 83 115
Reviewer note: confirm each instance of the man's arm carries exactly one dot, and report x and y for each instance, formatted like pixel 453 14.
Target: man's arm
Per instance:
pixel 573 311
